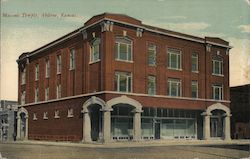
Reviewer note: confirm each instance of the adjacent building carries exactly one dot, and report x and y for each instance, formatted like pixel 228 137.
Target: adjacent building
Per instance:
pixel 240 108
pixel 8 110
pixel 118 79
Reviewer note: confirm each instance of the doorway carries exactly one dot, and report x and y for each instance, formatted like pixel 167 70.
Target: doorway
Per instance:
pixel 96 122
pixel 157 130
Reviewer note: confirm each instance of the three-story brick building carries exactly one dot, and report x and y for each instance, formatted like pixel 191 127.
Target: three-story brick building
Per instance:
pixel 116 78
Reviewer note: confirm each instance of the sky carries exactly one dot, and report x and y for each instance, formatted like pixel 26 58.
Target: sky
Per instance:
pixel 29 24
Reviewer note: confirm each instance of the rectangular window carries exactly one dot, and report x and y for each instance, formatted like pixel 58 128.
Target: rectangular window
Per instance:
pixel 174 87
pixel 123 82
pixel 34 116
pixel 194 89
pixel 123 48
pixel 58 64
pixel 58 91
pixel 47 94
pixel 174 59
pixel 194 62
pixel 36 95
pixel 217 92
pixel 151 55
pixel 23 97
pixel 72 59
pixel 95 51
pixel 45 115
pixel 151 85
pixel 57 114
pixel 36 72
pixel 23 76
pixel 217 67
pixel 47 70
pixel 70 113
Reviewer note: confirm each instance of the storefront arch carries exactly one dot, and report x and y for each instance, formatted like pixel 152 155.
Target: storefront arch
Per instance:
pixel 207 121
pixel 93 102
pixel 22 124
pixel 136 116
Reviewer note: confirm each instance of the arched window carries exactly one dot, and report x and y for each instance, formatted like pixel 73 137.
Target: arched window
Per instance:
pixel 123 49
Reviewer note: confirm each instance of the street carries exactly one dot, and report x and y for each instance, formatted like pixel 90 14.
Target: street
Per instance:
pixel 37 151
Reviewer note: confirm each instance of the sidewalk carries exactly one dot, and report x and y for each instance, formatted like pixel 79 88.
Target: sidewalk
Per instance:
pixel 135 144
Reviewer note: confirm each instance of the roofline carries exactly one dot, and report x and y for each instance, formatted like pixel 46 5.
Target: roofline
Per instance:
pixel 79 30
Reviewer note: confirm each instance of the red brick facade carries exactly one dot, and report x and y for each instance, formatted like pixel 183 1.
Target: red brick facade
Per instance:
pixel 89 78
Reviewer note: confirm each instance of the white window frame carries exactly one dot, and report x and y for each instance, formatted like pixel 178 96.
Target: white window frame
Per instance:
pixel 221 93
pixel 95 50
pixel 152 50
pixel 195 83
pixel 37 72
pixel 58 63
pixel 58 91
pixel 47 94
pixel 178 82
pixel 70 113
pixel 178 53
pixel 47 69
pixel 220 67
pixel 72 59
pixel 57 114
pixel 36 95
pixel 23 76
pixel 196 57
pixel 128 75
pixel 45 115
pixel 118 42
pixel 23 96
pixel 152 79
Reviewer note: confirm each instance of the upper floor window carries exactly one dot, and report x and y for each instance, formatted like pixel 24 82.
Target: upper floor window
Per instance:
pixel 151 85
pixel 37 72
pixel 194 62
pixel 47 70
pixel 174 59
pixel 47 94
pixel 194 88
pixel 36 95
pixel 23 97
pixel 217 66
pixel 123 82
pixel 174 87
pixel 58 64
pixel 123 49
pixel 151 55
pixel 217 92
pixel 72 59
pixel 58 91
pixel 95 51
pixel 23 76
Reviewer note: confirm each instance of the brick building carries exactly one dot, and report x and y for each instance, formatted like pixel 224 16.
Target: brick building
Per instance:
pixel 240 108
pixel 8 111
pixel 116 78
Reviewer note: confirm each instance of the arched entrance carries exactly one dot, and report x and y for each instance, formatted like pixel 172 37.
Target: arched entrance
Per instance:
pixel 92 119
pixel 22 124
pixel 216 123
pixel 126 118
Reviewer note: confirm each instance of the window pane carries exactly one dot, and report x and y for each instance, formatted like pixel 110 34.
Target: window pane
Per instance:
pixel 123 51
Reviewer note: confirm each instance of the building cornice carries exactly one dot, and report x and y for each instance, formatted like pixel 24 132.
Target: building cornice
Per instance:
pixel 130 94
pixel 79 30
